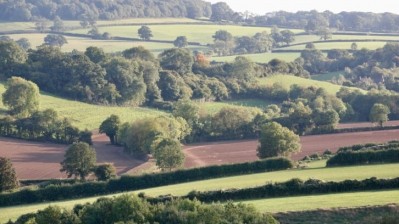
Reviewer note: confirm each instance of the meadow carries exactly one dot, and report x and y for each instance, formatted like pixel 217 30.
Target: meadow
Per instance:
pixel 316 170
pixel 287 80
pixel 371 45
pixel 327 76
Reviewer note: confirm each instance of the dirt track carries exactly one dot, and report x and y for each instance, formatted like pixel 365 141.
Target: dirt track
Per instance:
pixel 244 151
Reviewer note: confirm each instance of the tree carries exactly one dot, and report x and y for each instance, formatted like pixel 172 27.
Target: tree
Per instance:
pixel 8 177
pixel 181 41
pixel 379 114
pixel 324 33
pixel 41 25
pixel 287 36
pixel 80 160
pixel 55 40
pixel 21 97
pixel 354 46
pixel 24 43
pixel 168 154
pixel 276 140
pixel 58 25
pixel 145 33
pixel 187 110
pixel 110 127
pixel 12 56
pixel 221 11
pixel 222 35
pixel 95 54
pixel 178 59
pixel 105 171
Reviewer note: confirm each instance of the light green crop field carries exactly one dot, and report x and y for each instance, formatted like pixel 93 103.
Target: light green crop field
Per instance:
pixel 310 38
pixel 372 45
pixel 317 171
pixel 195 33
pixel 109 46
pixel 90 116
pixel 314 202
pixel 261 58
pixel 287 80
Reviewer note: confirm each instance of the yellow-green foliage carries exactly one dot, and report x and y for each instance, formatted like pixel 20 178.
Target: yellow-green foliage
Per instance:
pixel 287 80
pixel 90 116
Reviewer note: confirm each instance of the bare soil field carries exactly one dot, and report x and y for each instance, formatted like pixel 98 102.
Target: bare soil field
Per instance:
pixel 244 151
pixel 33 160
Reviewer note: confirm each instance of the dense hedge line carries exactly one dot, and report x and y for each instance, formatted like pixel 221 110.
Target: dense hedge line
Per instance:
pixel 289 188
pixel 368 146
pixel 350 130
pixel 130 183
pixel 364 157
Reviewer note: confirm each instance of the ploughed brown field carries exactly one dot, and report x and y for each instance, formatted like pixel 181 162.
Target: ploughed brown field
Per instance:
pixel 34 160
pixel 244 151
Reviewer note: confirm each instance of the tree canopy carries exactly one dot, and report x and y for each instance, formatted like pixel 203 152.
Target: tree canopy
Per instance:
pixel 379 114
pixel 110 127
pixel 168 154
pixel 79 160
pixel 8 177
pixel 145 33
pixel 21 97
pixel 276 140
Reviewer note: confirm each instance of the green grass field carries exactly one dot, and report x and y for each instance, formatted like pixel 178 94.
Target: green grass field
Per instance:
pixel 253 104
pixel 287 80
pixel 317 171
pixel 310 38
pixel 372 45
pixel 314 202
pixel 260 58
pixel 109 46
pixel 87 115
pixel 195 33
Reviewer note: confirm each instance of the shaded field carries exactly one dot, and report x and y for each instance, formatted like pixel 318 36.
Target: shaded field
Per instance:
pixel 327 76
pixel 261 58
pixel 34 160
pixel 244 151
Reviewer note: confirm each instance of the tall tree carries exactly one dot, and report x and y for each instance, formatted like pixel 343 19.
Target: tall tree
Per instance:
pixel 55 40
pixel 145 33
pixel 181 41
pixel 79 160
pixel 168 154
pixel 8 177
pixel 110 127
pixel 179 60
pixel 11 57
pixel 58 25
pixel 21 97
pixel 379 114
pixel 276 140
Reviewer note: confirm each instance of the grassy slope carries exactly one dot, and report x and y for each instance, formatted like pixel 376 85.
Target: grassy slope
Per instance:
pixel 317 171
pixel 253 104
pixel 328 76
pixel 288 80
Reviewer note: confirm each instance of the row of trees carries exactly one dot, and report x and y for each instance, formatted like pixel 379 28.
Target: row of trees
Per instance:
pixel 106 10
pixel 133 209
pixel 226 44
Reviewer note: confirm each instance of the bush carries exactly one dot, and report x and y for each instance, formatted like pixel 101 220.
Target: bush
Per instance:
pixel 105 171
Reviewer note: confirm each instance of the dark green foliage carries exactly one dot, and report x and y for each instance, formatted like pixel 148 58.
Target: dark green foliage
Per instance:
pixel 168 154
pixel 55 40
pixel 130 183
pixel 364 157
pixel 87 11
pixel 8 177
pixel 80 160
pixel 145 33
pixel 181 41
pixel 105 171
pixel 43 126
pixel 110 127
pixel 177 59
